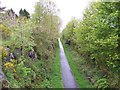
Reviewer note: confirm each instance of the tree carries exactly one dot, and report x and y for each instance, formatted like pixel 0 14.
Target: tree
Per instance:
pixel 24 13
pixel 96 37
pixel 47 26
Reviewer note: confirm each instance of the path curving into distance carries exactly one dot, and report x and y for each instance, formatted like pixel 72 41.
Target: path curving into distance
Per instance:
pixel 67 77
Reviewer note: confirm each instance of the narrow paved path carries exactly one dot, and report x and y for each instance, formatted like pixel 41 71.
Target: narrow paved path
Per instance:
pixel 67 77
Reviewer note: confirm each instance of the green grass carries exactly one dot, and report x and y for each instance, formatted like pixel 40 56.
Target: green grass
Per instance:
pixel 57 76
pixel 52 77
pixel 78 75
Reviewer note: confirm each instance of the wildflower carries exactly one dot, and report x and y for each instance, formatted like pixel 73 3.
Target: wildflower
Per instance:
pixel 14 70
pixel 6 64
pixel 9 64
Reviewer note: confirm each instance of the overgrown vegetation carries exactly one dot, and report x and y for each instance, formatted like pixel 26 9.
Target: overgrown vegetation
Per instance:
pixel 23 33
pixel 96 38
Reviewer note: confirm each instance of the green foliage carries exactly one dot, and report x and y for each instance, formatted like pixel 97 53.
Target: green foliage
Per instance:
pixel 5 31
pixel 23 33
pixel 45 32
pixel 24 13
pixel 96 37
pixel 102 83
pixel 56 77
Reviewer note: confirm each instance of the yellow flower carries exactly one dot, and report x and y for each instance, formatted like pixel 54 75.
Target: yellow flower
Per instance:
pixel 5 53
pixel 14 70
pixel 9 64
pixel 6 64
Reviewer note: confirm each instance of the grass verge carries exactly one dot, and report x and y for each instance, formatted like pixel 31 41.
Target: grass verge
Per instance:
pixel 57 76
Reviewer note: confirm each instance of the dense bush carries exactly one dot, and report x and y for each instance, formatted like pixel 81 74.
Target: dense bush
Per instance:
pixel 22 34
pixel 97 39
